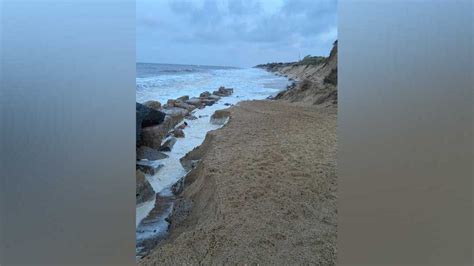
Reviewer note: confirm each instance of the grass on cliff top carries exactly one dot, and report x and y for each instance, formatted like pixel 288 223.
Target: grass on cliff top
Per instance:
pixel 307 60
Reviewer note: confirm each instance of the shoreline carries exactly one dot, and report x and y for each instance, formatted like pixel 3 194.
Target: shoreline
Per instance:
pixel 160 169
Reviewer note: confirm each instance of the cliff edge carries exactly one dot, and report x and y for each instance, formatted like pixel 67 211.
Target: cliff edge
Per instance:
pixel 315 79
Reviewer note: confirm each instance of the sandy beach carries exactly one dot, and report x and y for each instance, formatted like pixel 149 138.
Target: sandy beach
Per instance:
pixel 263 192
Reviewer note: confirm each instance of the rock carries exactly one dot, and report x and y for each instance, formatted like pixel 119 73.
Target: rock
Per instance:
pixel 178 187
pixel 214 97
pixel 220 117
pixel 149 167
pixel 183 125
pixel 170 103
pixel 178 133
pixel 201 116
pixel 145 117
pixel 204 94
pixel 153 136
pixel 176 111
pixel 194 101
pixel 168 144
pixel 144 152
pixel 184 105
pixel 208 102
pixel 183 98
pixel 148 117
pixel 229 104
pixel 153 105
pixel 144 191
pixel 191 117
pixel 222 91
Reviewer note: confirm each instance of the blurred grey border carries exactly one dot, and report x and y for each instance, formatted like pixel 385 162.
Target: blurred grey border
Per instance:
pixel 68 132
pixel 405 132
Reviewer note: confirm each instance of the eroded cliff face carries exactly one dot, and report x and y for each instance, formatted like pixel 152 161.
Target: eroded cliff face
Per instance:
pixel 315 84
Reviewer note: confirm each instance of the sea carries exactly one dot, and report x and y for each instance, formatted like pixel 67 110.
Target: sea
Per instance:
pixel 168 81
pixel 161 82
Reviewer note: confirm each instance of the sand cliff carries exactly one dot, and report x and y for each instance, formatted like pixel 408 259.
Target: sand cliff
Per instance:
pixel 315 83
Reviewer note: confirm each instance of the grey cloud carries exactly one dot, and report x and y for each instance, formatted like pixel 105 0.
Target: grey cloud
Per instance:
pixel 293 24
pixel 299 17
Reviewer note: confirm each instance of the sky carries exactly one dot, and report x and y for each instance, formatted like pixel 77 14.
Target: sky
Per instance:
pixel 241 33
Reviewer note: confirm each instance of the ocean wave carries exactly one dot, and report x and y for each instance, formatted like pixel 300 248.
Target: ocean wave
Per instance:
pixel 178 70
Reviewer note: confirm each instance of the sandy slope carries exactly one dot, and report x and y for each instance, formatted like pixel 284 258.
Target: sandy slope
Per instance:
pixel 264 191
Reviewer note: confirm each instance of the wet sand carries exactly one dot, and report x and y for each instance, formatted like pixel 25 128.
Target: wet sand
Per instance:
pixel 264 191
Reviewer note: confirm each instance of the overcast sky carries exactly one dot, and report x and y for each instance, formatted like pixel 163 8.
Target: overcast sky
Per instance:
pixel 239 33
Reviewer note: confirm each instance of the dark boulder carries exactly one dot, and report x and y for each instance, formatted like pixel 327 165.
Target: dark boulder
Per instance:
pixel 146 117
